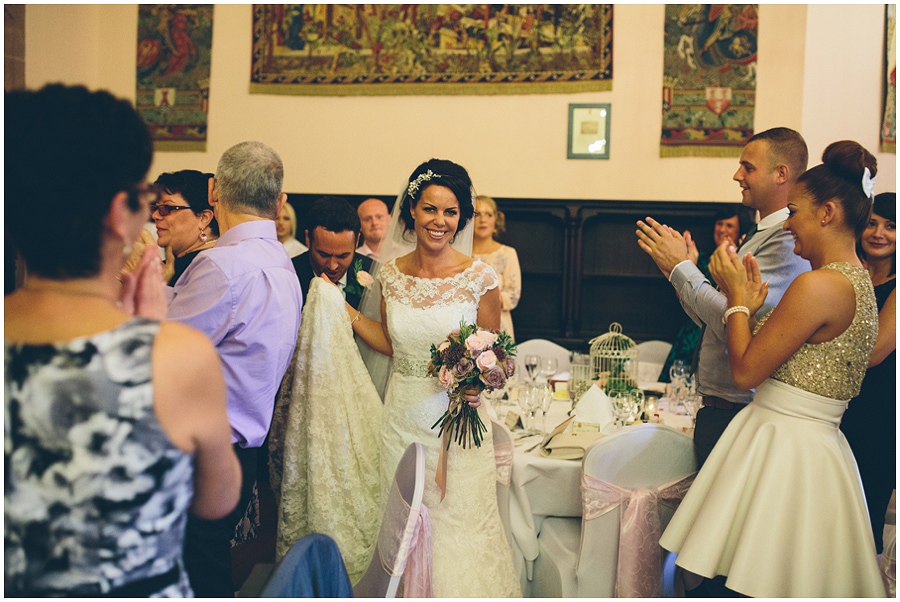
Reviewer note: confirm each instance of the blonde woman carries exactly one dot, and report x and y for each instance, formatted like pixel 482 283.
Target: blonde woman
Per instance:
pixel 490 222
pixel 286 228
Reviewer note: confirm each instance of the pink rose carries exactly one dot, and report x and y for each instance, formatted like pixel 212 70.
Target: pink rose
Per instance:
pixel 487 336
pixel 446 377
pixel 364 278
pixel 475 342
pixel 486 360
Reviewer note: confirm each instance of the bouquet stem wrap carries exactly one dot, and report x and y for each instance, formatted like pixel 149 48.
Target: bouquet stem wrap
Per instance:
pixel 460 423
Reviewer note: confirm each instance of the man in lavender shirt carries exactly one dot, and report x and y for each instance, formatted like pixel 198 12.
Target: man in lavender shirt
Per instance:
pixel 244 295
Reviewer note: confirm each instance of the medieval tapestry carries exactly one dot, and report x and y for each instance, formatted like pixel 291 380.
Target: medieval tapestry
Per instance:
pixel 393 49
pixel 173 65
pixel 889 118
pixel 709 79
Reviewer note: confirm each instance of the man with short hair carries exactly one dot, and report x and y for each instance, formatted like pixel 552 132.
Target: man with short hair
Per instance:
pixel 769 165
pixel 332 237
pixel 374 219
pixel 243 294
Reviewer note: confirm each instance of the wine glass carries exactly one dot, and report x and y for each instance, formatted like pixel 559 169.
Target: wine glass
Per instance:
pixel 678 372
pixel 529 403
pixel 546 400
pixel 549 367
pixel 623 406
pixel 532 362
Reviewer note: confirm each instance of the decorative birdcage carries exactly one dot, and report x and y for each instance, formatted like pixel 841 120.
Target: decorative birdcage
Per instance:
pixel 614 359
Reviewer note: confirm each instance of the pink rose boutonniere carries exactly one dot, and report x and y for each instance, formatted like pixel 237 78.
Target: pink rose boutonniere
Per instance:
pixel 359 279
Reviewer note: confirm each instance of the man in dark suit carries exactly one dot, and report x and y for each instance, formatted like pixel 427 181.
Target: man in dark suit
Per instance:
pixel 332 236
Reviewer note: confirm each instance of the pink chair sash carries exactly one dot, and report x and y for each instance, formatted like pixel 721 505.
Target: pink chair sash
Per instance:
pixel 417 578
pixel 639 558
pixel 503 457
pixel 404 545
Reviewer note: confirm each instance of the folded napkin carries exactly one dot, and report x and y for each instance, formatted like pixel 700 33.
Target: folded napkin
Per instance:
pixel 565 442
pixel 594 408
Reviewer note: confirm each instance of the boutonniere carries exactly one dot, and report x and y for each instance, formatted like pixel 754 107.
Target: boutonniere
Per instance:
pixel 359 279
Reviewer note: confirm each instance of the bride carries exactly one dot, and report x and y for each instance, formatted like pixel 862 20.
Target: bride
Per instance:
pixel 424 295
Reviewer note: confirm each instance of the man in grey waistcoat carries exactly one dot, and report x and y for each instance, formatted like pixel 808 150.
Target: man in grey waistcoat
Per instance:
pixel 770 164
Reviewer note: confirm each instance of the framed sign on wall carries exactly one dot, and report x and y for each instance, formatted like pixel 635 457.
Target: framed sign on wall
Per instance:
pixel 588 131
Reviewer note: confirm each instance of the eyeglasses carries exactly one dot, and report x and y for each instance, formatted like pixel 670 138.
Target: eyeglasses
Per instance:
pixel 165 210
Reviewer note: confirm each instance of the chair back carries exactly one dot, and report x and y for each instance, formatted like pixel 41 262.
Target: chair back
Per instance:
pixel 398 528
pixel 503 456
pixel 312 568
pixel 543 348
pixel 652 357
pixel 640 457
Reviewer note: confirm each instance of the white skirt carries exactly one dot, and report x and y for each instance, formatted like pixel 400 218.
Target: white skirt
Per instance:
pixel 778 507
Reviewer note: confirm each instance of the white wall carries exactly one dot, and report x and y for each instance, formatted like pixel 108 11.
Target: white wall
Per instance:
pixel 819 71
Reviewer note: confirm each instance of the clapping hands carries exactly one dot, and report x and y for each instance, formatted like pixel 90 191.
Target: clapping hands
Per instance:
pixel 738 278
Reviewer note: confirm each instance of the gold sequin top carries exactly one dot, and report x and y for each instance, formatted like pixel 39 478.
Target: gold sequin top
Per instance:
pixel 836 368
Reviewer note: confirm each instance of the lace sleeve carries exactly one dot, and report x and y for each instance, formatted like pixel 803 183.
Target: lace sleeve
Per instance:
pixel 484 278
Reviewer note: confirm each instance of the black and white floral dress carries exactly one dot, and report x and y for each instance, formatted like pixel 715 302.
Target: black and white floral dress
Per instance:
pixel 95 494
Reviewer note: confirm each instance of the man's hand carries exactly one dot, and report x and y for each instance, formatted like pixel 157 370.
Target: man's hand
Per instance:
pixel 664 245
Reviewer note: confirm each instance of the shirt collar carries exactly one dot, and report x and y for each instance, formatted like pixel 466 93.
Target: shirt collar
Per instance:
pixel 773 219
pixel 264 228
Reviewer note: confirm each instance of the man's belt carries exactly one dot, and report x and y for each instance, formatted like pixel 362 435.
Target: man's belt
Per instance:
pixel 711 401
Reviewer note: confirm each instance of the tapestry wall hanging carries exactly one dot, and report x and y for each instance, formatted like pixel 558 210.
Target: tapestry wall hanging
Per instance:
pixel 889 119
pixel 173 64
pixel 709 79
pixel 393 49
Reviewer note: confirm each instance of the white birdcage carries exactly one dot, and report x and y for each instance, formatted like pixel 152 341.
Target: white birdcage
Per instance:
pixel 614 359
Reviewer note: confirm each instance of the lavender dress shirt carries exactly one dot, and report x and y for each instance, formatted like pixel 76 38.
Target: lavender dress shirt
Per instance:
pixel 244 295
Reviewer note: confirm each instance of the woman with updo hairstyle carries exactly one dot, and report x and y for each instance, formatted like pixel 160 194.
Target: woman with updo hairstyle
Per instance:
pixel 429 282
pixel 489 223
pixel 870 423
pixel 185 222
pixel 779 497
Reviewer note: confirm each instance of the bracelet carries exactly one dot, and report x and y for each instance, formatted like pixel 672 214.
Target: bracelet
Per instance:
pixel 737 309
pixel 355 318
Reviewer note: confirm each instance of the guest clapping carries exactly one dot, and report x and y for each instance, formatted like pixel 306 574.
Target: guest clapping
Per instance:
pixel 489 223
pixel 779 497
pixel 870 423
pixel 286 228
pixel 185 224
pixel 110 434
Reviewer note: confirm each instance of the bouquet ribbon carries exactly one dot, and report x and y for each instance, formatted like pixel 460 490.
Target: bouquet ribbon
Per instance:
pixel 455 407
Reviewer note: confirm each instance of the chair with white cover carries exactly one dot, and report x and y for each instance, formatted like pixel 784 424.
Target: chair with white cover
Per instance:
pixel 404 541
pixel 651 359
pixel 632 481
pixel 503 457
pixel 543 348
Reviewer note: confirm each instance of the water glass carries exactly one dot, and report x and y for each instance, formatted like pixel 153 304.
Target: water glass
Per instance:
pixel 546 400
pixel 532 365
pixel 549 367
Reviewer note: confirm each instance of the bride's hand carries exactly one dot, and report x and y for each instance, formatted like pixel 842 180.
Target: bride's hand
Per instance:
pixel 729 272
pixel 473 397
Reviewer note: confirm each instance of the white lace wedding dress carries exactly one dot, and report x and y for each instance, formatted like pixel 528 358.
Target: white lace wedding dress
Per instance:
pixel 324 441
pixel 471 555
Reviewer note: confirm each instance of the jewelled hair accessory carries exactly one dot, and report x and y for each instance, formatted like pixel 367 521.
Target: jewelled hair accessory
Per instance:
pixel 413 187
pixel 868 183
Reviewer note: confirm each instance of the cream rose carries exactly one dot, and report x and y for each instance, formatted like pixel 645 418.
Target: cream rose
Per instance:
pixel 364 278
pixel 486 360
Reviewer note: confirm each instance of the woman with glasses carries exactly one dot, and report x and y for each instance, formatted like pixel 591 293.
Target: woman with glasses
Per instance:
pixel 110 437
pixel 185 224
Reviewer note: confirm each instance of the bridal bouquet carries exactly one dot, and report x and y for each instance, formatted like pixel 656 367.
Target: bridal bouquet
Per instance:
pixel 470 359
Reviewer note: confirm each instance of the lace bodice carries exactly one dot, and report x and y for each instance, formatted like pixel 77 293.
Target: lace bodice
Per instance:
pixel 836 368
pixel 422 311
